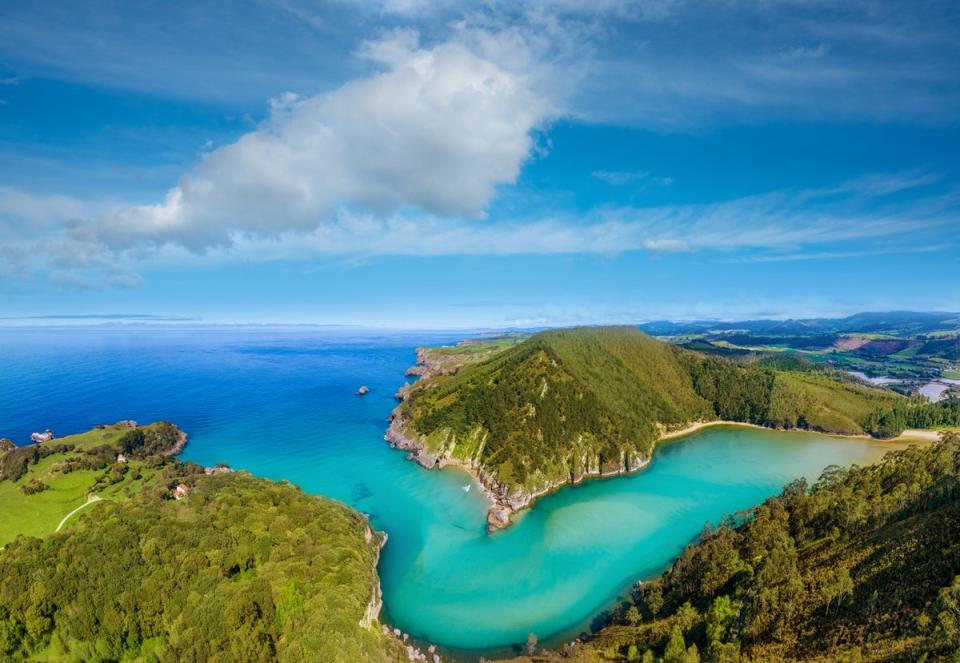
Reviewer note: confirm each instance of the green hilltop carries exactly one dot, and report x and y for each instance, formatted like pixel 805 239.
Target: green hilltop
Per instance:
pixel 566 404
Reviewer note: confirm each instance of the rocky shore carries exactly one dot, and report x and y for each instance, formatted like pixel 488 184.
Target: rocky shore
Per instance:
pixel 179 446
pixel 372 613
pixel 504 501
pixel 430 363
pixel 427 654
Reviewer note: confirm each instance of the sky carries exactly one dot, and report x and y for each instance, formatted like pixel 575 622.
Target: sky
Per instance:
pixel 440 164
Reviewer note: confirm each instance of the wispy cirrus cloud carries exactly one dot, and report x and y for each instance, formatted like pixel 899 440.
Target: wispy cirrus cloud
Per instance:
pixel 664 64
pixel 105 317
pixel 630 177
pixel 789 225
pixel 774 223
pixel 842 255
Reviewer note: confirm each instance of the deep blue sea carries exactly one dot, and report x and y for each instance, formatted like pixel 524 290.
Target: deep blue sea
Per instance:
pixel 280 403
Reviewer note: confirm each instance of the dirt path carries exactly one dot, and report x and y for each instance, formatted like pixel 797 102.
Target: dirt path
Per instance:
pixel 90 500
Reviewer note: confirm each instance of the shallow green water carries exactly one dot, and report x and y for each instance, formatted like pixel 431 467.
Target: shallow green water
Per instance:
pixel 569 556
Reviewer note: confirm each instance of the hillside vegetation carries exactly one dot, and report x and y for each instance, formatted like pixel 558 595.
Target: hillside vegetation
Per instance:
pixel 865 566
pixel 241 570
pixel 565 404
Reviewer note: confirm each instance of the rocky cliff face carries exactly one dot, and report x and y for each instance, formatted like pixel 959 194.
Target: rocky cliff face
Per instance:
pixel 505 500
pixel 372 613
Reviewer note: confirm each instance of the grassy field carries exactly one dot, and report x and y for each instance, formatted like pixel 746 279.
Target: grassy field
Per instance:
pixel 831 405
pixel 40 513
pixel 479 347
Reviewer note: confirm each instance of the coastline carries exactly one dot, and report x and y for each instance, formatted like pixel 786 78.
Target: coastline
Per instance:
pixel 372 614
pixel 504 507
pixel 179 446
pixel 908 435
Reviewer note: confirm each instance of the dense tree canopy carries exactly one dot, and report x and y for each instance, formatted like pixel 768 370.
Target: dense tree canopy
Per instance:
pixel 241 570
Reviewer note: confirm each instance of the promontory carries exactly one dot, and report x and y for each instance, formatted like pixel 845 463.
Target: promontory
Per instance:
pixel 526 417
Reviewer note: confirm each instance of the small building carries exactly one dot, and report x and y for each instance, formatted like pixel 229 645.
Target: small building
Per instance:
pixel 45 436
pixel 121 458
pixel 182 490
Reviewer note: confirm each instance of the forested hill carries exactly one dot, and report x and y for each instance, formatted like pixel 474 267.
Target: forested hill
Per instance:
pixel 566 404
pixel 863 567
pixel 241 569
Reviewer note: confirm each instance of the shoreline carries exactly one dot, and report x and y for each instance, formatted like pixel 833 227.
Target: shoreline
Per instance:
pixel 179 446
pixel 504 508
pixel 908 435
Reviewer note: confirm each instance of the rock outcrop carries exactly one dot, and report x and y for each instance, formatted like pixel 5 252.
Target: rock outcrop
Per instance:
pixel 178 446
pixel 372 613
pixel 403 392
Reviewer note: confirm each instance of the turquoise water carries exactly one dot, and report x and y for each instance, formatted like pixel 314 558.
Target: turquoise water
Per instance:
pixel 280 403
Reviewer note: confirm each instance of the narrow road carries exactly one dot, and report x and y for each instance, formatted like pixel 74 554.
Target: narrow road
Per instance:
pixel 90 500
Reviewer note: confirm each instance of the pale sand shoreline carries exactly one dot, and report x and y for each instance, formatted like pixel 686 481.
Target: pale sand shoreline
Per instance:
pixel 907 438
pixel 910 434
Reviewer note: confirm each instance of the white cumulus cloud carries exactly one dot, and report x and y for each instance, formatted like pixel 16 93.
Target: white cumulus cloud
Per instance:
pixel 437 129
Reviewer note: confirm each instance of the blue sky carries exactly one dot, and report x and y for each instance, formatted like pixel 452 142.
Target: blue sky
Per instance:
pixel 439 164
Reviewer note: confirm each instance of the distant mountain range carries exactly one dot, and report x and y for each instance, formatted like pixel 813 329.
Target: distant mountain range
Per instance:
pixel 889 322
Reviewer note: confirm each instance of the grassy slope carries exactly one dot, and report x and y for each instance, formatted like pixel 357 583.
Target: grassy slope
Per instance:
pixel 829 405
pixel 243 569
pixel 571 402
pixel 40 513
pixel 863 568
